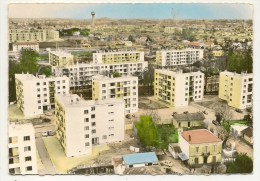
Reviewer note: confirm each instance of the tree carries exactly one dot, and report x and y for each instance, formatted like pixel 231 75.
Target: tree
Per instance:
pixel 27 63
pixel 146 131
pixel 242 164
pixel 116 74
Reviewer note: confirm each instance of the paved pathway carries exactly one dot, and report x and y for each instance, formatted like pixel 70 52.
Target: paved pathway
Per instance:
pixel 45 158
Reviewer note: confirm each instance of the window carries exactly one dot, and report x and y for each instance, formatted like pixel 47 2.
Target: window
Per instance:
pixel 38 83
pixel 26 138
pixel 38 95
pixel 39 101
pixel 58 87
pixel 29 168
pixel 110 112
pixel 111 135
pixel 103 85
pixel 38 90
pixel 93 115
pixel 93 131
pixel 197 149
pixel 103 91
pixel 86 120
pixel 27 148
pixel 104 137
pixel 86 135
pixel 39 107
pixel 87 144
pixel 196 160
pixel 44 89
pixel 63 81
pixel 214 147
pixel 44 83
pixel 58 82
pixel 93 124
pixel 45 100
pixel 86 128
pixel 111 120
pixel 85 111
pixel 28 158
pixel 92 108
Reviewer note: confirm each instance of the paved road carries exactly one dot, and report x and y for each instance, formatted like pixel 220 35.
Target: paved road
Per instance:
pixel 45 158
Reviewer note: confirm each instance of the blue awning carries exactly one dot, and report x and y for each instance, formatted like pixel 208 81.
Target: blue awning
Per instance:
pixel 182 156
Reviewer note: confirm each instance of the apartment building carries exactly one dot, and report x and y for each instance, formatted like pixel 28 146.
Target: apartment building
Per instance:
pixel 19 46
pixel 200 147
pixel 60 58
pixel 118 57
pixel 81 74
pixel 178 89
pixel 236 89
pixel 81 124
pixel 22 149
pixel 20 35
pixel 178 57
pixel 125 88
pixel 35 94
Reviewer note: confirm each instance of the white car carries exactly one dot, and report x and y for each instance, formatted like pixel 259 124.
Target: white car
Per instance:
pixel 44 133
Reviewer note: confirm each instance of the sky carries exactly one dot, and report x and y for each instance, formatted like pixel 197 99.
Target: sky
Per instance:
pixel 133 11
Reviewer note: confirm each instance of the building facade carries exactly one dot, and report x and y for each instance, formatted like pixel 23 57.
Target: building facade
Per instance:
pixel 178 89
pixel 201 147
pixel 178 57
pixel 236 89
pixel 19 46
pixel 82 124
pixel 20 35
pixel 22 149
pixel 125 88
pixel 118 57
pixel 36 94
pixel 81 74
pixel 173 30
pixel 60 58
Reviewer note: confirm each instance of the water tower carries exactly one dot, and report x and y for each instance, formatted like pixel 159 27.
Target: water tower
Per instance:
pixel 93 18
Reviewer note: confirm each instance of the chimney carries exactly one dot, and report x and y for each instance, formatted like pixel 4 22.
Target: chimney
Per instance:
pixel 189 137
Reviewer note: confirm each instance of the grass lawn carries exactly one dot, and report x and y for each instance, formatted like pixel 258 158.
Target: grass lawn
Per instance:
pixel 238 122
pixel 62 163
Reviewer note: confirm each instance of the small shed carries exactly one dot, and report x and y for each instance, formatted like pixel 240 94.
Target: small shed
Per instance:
pixel 188 119
pixel 140 159
pixel 247 135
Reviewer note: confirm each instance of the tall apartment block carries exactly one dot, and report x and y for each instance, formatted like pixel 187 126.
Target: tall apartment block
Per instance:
pixel 81 74
pixel 60 58
pixel 177 88
pixel 125 88
pixel 22 149
pixel 81 124
pixel 20 35
pixel 118 57
pixel 36 94
pixel 178 57
pixel 236 89
pixel 19 46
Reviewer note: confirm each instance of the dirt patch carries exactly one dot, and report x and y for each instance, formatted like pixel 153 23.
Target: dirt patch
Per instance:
pixel 145 103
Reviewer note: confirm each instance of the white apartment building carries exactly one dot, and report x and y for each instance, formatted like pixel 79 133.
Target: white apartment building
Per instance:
pixel 81 124
pixel 81 74
pixel 60 58
pixel 125 88
pixel 22 149
pixel 178 57
pixel 19 46
pixel 118 57
pixel 177 88
pixel 236 89
pixel 20 35
pixel 36 94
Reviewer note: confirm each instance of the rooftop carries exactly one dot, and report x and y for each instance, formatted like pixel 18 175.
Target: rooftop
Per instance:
pixel 235 74
pixel 61 53
pixel 140 158
pixel 172 73
pixel 102 77
pixel 73 100
pixel 248 132
pixel 199 136
pixel 15 129
pixel 26 43
pixel 189 117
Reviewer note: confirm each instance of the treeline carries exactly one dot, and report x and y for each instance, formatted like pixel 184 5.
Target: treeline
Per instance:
pixel 240 61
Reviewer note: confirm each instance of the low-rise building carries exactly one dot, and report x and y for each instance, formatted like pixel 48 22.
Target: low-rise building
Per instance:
pixel 173 30
pixel 125 88
pixel 177 88
pixel 178 57
pixel 22 149
pixel 19 46
pixel 247 135
pixel 188 120
pixel 36 94
pixel 236 89
pixel 81 124
pixel 200 147
pixel 60 58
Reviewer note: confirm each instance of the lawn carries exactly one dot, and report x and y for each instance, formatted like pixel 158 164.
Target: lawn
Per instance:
pixel 62 163
pixel 238 122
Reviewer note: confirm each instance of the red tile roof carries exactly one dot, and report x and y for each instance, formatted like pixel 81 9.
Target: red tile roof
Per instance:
pixel 199 136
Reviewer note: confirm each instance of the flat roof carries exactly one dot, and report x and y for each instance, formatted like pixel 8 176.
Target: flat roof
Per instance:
pixel 139 158
pixel 61 53
pixel 189 117
pixel 73 100
pixel 199 136
pixel 26 43
pixel 172 73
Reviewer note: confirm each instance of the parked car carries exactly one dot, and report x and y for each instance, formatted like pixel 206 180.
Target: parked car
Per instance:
pixel 239 111
pixel 48 133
